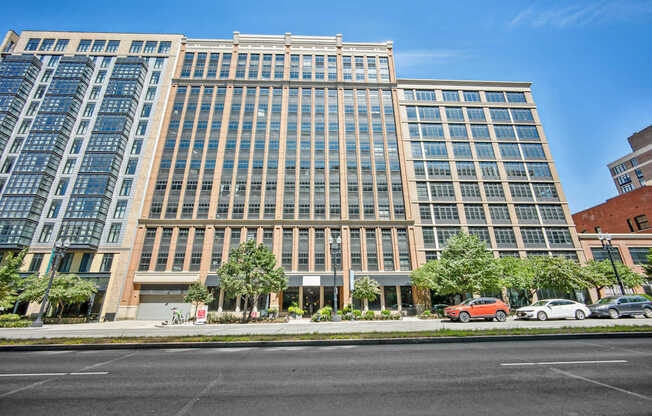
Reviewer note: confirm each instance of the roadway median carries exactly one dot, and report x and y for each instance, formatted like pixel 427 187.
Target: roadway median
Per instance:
pixel 325 339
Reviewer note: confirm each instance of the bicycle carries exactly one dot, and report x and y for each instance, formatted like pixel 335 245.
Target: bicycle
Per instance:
pixel 177 317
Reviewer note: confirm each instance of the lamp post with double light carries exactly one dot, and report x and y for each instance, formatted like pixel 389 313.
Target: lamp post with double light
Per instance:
pixel 605 240
pixel 336 249
pixel 58 251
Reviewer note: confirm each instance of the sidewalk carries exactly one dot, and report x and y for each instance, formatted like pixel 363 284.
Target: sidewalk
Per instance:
pixel 153 328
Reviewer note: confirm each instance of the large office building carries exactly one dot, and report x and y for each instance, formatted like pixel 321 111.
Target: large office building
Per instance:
pixel 79 120
pixel 479 162
pixel 292 141
pixel 633 170
pixel 287 140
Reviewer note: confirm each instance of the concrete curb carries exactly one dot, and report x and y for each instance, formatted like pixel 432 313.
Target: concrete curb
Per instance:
pixel 322 343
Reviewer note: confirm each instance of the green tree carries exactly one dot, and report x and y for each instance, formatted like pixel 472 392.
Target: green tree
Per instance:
pixel 67 289
pixel 557 273
pixel 648 267
pixel 9 278
pixel 366 289
pixel 600 274
pixel 465 266
pixel 250 273
pixel 517 274
pixel 197 293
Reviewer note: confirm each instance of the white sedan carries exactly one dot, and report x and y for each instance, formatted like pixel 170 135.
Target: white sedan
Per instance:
pixel 554 309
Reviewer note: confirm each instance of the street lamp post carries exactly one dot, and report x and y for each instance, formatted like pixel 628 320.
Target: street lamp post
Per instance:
pixel 335 246
pixel 605 240
pixel 59 250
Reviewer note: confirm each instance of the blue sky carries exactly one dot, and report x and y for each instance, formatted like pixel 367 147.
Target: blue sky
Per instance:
pixel 590 61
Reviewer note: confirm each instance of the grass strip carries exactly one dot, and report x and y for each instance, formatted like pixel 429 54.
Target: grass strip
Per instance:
pixel 318 336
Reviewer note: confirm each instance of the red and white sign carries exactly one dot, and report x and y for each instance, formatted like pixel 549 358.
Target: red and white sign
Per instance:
pixel 202 314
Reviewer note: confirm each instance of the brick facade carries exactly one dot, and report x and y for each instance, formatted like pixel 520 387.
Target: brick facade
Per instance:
pixel 625 213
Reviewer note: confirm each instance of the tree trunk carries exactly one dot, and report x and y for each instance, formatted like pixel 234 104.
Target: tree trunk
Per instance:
pixel 366 305
pixel 245 311
pixel 598 289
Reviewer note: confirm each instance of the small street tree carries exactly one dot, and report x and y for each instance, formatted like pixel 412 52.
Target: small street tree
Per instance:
pixel 367 290
pixel 517 274
pixel 10 279
pixel 250 273
pixel 600 274
pixel 197 293
pixel 67 289
pixel 465 266
pixel 557 273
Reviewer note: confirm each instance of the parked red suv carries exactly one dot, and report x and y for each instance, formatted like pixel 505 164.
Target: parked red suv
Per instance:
pixel 487 308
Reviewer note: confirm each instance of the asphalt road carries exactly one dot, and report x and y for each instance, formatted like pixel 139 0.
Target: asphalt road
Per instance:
pixel 612 377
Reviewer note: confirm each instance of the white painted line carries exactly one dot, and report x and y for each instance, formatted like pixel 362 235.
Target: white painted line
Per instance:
pixel 27 387
pixel 565 362
pixel 631 393
pixel 96 373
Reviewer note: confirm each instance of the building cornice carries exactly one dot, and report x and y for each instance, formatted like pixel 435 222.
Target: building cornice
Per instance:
pixel 462 83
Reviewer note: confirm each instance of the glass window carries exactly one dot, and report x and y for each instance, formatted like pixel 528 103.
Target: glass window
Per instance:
pixel 84 45
pixel 136 46
pixel 61 45
pixel 471 96
pixel 515 97
pixel 495 96
pixel 485 151
pixel 521 114
pixel 475 114
pixel 450 95
pixel 32 44
pixel 639 254
pixel 114 233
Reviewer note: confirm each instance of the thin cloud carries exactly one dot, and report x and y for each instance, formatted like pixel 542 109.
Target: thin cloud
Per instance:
pixel 582 15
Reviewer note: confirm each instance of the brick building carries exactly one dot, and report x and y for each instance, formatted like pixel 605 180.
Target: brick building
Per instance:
pixel 626 213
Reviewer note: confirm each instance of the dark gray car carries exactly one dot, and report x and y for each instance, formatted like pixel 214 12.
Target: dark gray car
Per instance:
pixel 617 306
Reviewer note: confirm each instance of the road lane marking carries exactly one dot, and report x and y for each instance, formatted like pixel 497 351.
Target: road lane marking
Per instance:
pixel 29 386
pixel 609 386
pixel 90 373
pixel 565 362
pixel 188 407
pixel 122 357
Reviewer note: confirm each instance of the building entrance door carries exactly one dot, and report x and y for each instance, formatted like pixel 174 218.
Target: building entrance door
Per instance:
pixel 310 299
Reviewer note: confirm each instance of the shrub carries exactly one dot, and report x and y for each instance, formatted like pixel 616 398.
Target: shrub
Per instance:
pixel 357 313
pixel 66 320
pixel 395 316
pixel 272 313
pixel 294 309
pixel 9 317
pixel 427 315
pixel 22 323
pixel 385 313
pixel 222 318
pixel 369 315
